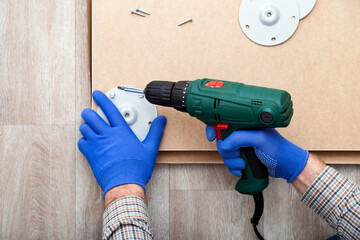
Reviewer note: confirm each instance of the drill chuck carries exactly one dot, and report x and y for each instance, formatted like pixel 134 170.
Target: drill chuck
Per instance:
pixel 169 94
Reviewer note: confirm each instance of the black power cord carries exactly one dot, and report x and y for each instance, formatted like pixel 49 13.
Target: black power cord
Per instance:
pixel 259 208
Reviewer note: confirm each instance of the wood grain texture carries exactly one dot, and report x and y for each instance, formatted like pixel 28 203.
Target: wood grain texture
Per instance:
pixel 157 196
pixel 62 182
pixel 38 182
pixel 212 214
pixel 206 177
pixel 204 205
pixel 37 67
pixel 89 203
pixel 26 176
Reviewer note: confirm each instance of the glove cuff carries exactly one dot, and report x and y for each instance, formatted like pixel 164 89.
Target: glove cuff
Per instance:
pixel 129 171
pixel 302 158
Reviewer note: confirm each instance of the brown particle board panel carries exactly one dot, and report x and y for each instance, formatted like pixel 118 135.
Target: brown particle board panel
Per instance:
pixel 213 157
pixel 318 65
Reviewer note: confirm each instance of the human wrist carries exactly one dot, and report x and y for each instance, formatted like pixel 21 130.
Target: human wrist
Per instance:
pixel 123 191
pixel 311 171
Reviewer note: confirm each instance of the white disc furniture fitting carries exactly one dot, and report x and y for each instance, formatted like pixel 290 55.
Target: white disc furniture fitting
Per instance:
pixel 269 22
pixel 133 106
pixel 305 7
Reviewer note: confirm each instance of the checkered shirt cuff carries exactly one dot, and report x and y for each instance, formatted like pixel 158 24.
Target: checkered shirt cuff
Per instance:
pixel 127 218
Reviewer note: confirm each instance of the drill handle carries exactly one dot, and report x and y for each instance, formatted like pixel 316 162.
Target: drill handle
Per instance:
pixel 255 177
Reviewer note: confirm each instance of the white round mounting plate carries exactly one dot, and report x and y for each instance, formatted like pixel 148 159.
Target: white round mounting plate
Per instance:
pixel 269 22
pixel 133 106
pixel 305 7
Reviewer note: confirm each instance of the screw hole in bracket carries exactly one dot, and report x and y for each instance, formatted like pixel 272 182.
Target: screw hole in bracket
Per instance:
pixel 273 38
pixel 247 27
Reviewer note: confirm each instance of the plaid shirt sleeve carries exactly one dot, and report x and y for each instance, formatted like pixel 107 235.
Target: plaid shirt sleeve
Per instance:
pixel 337 200
pixel 127 218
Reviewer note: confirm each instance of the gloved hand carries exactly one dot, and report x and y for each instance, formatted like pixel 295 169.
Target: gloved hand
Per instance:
pixel 115 154
pixel 282 158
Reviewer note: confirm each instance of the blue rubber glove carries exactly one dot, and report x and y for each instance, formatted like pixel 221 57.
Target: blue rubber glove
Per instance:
pixel 282 158
pixel 115 154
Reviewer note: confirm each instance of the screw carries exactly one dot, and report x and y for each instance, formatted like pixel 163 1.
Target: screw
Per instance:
pixel 143 11
pixel 112 95
pixel 135 12
pixel 141 96
pixel 183 22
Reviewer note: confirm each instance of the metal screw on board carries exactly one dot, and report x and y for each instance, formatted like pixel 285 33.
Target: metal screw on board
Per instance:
pixel 183 22
pixel 112 95
pixel 137 13
pixel 141 10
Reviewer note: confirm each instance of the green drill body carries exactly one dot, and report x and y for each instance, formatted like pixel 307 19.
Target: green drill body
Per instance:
pixel 227 107
pixel 241 107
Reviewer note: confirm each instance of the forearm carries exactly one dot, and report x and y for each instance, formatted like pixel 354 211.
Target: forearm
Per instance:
pixel 312 170
pixel 126 215
pixel 123 191
pixel 330 195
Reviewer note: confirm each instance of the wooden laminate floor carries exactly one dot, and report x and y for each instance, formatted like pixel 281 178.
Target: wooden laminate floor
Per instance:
pixel 47 188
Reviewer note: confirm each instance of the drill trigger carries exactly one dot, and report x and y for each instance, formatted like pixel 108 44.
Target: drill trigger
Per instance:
pixel 220 126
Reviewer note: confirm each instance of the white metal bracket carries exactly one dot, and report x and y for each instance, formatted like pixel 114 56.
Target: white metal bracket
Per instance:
pixel 133 106
pixel 269 22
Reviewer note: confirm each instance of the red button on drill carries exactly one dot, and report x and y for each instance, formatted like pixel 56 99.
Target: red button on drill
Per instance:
pixel 220 126
pixel 216 83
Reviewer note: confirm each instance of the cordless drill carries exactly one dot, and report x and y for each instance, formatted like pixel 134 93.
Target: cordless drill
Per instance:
pixel 229 106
